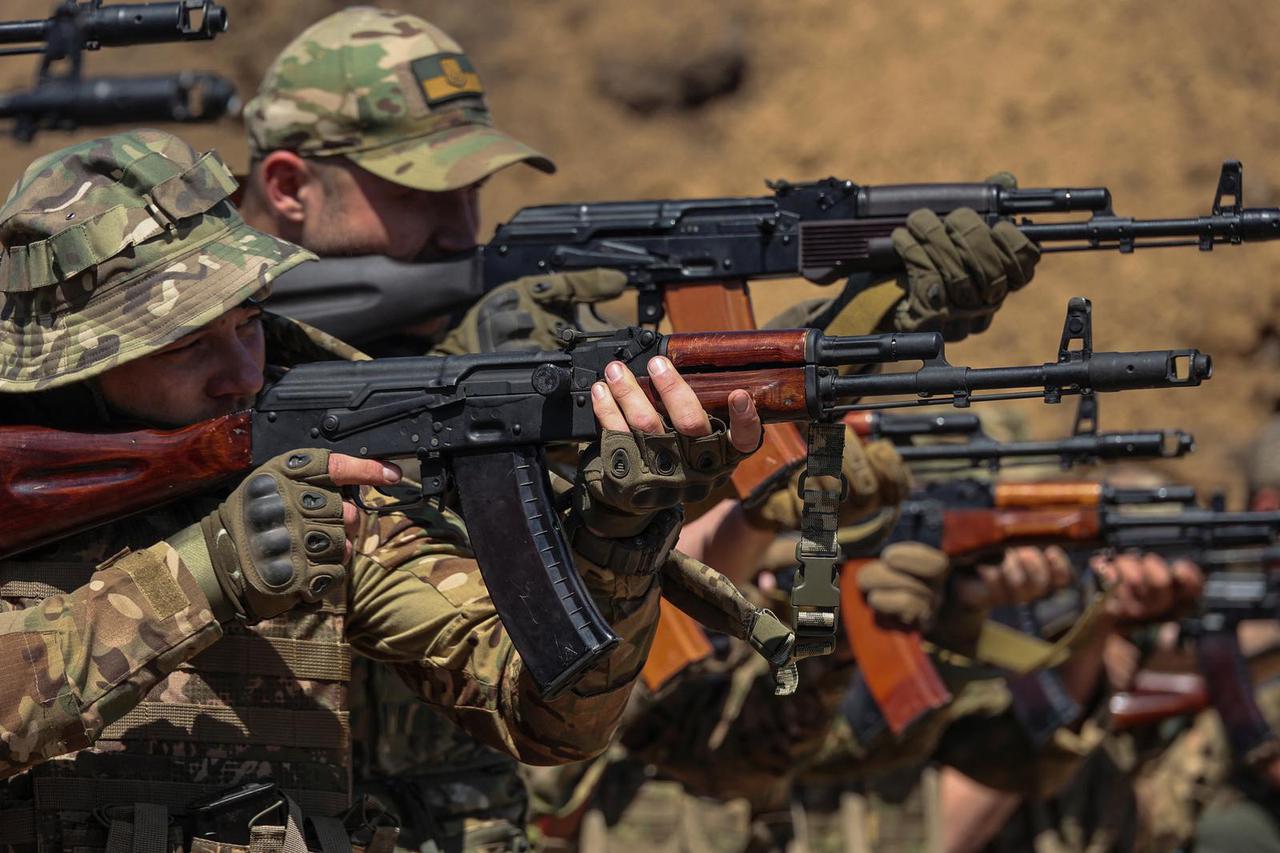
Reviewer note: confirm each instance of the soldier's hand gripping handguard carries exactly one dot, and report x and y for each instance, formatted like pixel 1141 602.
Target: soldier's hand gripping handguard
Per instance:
pixel 631 487
pixel 906 583
pixel 959 271
pixel 531 312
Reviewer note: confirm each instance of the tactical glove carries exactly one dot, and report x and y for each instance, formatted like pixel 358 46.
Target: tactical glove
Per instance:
pixel 278 539
pixel 959 270
pixel 905 584
pixel 875 479
pixel 626 478
pixel 531 312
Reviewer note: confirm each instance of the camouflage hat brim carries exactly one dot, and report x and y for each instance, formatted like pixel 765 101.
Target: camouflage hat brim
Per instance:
pixel 449 159
pixel 86 337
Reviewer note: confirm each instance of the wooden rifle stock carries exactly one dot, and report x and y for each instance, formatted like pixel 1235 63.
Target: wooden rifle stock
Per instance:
pixel 724 306
pixel 897 672
pixel 49 475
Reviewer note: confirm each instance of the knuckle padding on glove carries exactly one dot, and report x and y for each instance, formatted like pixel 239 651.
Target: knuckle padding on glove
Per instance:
pixel 630 474
pixel 269 539
pixel 981 255
pixel 279 538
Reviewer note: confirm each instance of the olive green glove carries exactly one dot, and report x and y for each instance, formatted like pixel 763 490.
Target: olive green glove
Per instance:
pixel 531 312
pixel 626 478
pixel 278 539
pixel 875 477
pixel 906 583
pixel 959 270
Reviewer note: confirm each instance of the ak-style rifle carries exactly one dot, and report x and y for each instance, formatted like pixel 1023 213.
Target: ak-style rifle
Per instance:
pixel 1225 680
pixel 478 424
pixel 979 450
pixel 828 230
pixel 969 520
pixel 67 101
pixel 682 254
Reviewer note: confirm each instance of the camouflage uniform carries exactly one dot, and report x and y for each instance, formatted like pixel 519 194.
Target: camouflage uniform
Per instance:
pixel 400 98
pixel 122 699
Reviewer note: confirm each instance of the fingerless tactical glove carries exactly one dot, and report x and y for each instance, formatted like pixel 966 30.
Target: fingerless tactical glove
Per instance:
pixel 278 539
pixel 630 490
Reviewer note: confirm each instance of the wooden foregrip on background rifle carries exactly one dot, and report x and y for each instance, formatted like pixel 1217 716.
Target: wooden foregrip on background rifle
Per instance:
pixel 893 662
pixel 1157 696
pixel 975 531
pixel 53 481
pixel 1056 494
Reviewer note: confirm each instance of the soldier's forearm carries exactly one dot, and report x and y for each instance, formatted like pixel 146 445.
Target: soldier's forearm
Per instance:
pixel 77 662
pixel 581 722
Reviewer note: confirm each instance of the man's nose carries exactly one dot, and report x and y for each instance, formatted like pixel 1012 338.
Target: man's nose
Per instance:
pixel 457 232
pixel 239 371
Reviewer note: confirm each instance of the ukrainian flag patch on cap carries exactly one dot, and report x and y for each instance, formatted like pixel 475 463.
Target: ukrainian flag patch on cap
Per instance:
pixel 445 76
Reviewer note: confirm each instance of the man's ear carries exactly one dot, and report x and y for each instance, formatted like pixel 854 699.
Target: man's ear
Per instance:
pixel 286 182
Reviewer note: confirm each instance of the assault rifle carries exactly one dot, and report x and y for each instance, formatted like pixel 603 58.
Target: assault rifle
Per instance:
pixel 479 423
pixel 988 518
pixel 983 451
pixel 67 101
pixel 1226 679
pixel 683 255
pixel 828 230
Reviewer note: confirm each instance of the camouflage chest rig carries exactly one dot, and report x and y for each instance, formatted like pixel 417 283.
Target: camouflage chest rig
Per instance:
pixel 265 704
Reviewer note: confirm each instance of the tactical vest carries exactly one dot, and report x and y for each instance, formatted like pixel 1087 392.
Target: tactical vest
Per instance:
pixel 263 703
pixel 266 702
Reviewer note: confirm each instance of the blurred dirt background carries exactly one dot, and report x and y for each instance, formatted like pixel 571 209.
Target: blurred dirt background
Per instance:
pixel 668 99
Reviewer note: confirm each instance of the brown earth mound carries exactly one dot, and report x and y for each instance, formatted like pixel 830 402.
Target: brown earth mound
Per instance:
pixel 684 99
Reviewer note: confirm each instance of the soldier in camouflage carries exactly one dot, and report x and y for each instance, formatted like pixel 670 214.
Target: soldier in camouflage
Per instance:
pixel 370 135
pixel 155 663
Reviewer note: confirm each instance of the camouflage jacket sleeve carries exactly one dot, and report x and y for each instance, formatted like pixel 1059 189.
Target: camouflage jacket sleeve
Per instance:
pixel 418 602
pixel 77 662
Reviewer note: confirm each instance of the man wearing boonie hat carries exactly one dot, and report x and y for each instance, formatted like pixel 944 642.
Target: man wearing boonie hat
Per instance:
pixel 158 673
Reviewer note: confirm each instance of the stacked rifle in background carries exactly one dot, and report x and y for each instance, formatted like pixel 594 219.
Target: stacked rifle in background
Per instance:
pixel 65 99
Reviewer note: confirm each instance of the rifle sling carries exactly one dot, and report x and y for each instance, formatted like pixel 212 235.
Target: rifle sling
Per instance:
pixel 866 312
pixel 1009 649
pixel 815 597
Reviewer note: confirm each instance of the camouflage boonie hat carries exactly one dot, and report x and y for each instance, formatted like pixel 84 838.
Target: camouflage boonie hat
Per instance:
pixel 117 247
pixel 389 91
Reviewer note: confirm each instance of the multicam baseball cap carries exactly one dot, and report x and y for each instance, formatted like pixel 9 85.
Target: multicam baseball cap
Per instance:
pixel 117 247
pixel 389 91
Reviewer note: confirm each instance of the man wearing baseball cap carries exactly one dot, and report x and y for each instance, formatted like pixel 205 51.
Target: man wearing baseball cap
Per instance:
pixel 370 136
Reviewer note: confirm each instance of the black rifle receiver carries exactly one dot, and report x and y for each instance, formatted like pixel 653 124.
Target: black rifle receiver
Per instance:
pixel 827 230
